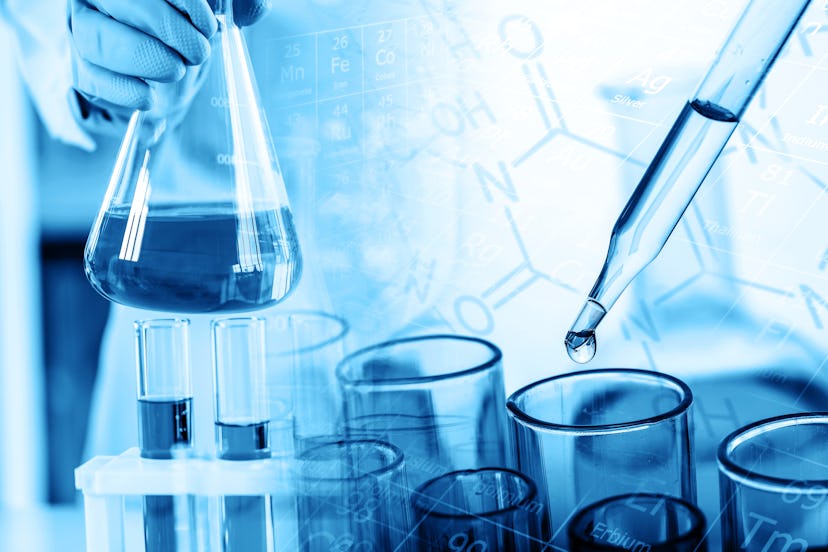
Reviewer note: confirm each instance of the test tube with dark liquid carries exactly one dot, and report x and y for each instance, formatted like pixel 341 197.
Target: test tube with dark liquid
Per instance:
pixel 242 433
pixel 164 419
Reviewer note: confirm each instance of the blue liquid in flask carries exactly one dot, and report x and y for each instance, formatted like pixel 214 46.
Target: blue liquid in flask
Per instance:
pixel 195 258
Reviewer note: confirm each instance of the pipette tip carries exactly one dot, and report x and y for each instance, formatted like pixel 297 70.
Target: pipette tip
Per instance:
pixel 580 346
pixel 580 339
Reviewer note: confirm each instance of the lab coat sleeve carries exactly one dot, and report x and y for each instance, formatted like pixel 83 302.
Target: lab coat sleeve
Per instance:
pixel 41 37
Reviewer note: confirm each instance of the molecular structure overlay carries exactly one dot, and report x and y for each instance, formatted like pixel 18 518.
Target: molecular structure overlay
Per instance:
pixel 467 164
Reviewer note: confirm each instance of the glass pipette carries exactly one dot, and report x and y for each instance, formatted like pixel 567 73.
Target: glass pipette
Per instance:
pixel 685 157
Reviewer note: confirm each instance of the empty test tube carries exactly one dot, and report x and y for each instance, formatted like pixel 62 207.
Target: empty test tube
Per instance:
pixel 773 485
pixel 639 521
pixel 685 157
pixel 242 418
pixel 164 419
pixel 483 509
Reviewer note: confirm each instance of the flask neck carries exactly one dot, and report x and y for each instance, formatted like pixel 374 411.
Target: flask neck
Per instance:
pixel 223 7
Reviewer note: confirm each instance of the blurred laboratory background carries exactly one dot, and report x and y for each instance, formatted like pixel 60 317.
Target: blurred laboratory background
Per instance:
pixel 453 167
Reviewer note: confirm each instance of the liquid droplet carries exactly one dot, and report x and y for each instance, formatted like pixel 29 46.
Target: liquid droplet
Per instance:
pixel 580 346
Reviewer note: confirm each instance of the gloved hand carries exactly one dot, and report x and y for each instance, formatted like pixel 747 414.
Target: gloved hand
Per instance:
pixel 141 54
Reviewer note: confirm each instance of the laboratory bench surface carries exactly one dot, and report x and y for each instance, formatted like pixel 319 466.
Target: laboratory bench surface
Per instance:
pixel 44 529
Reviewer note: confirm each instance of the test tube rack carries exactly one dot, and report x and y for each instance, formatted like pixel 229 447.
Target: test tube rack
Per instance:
pixel 113 489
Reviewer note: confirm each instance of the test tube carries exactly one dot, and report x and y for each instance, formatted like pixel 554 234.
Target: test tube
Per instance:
pixel 164 415
pixel 353 495
pixel 439 398
pixel 585 436
pixel 485 509
pixel 685 157
pixel 241 410
pixel 773 481
pixel 303 349
pixel 639 521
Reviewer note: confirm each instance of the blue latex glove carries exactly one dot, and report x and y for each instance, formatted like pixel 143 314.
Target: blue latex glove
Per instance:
pixel 141 54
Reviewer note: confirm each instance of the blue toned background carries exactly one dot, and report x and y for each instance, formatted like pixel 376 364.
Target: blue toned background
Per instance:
pixel 459 167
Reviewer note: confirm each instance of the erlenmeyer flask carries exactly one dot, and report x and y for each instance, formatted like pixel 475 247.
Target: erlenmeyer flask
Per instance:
pixel 195 217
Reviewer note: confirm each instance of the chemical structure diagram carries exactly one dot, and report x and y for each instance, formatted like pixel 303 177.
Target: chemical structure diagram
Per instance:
pixel 767 150
pixel 406 113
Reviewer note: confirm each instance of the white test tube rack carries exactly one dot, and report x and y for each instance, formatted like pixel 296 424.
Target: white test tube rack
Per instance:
pixel 113 488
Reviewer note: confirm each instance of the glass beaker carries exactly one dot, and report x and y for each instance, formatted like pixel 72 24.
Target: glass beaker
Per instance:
pixel 352 495
pixel 195 217
pixel 774 484
pixel 304 347
pixel 439 398
pixel 484 509
pixel 589 435
pixel 645 521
